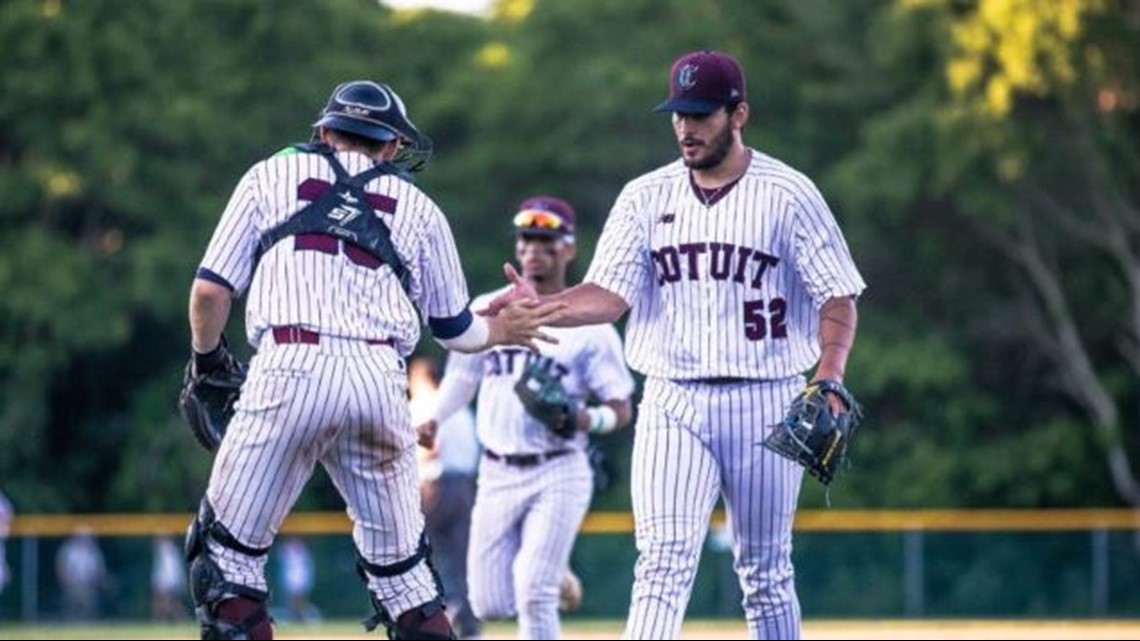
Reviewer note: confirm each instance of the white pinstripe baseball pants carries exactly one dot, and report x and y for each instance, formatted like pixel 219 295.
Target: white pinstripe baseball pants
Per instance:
pixel 523 529
pixel 695 441
pixel 342 403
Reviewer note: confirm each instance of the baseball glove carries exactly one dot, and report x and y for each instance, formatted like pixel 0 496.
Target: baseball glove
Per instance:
pixel 811 436
pixel 210 387
pixel 545 398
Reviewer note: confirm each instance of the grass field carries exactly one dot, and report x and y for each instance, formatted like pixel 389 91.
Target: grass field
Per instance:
pixel 578 629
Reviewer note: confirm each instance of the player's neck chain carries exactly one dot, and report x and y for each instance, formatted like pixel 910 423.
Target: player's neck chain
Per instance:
pixel 710 197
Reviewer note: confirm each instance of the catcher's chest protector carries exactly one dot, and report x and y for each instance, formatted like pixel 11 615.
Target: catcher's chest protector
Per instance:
pixel 344 211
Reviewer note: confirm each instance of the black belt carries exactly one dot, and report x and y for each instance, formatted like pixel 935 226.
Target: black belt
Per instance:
pixel 525 460
pixel 721 380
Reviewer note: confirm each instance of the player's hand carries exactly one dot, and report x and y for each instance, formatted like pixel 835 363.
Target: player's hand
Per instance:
pixel 834 401
pixel 520 323
pixel 835 404
pixel 425 433
pixel 521 289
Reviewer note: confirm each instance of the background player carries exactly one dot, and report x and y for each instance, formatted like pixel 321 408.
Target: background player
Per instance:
pixel 81 570
pixel 738 280
pixel 331 321
pixel 534 487
pixel 167 581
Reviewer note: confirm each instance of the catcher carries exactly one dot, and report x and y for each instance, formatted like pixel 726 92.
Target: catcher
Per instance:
pixel 337 289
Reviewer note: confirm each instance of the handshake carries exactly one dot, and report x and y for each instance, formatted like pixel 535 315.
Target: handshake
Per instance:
pixel 516 317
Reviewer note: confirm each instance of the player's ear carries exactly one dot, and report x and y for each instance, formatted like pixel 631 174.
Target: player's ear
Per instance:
pixel 390 149
pixel 739 115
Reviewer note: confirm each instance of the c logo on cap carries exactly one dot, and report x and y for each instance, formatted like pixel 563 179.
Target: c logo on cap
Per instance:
pixel 687 76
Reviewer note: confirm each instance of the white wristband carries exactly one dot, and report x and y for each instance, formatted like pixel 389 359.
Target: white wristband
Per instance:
pixel 603 419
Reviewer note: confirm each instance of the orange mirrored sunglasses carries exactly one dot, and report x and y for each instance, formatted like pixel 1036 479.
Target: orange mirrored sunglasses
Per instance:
pixel 538 218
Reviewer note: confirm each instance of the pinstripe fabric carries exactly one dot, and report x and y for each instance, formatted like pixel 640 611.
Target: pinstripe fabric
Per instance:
pixel 696 441
pixel 342 402
pixel 727 286
pixel 590 359
pixel 526 520
pixel 731 289
pixel 329 288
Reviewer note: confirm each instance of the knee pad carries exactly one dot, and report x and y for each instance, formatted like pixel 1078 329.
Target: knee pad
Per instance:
pixel 428 621
pixel 225 610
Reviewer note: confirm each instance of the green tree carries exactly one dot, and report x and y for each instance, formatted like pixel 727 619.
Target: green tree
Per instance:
pixel 1048 182
pixel 127 125
pixel 1066 166
pixel 981 158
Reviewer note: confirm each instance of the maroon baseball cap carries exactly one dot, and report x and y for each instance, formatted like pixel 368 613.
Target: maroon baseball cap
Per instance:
pixel 703 81
pixel 544 216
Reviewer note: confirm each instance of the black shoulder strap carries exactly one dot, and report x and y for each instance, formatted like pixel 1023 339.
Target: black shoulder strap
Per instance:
pixel 344 211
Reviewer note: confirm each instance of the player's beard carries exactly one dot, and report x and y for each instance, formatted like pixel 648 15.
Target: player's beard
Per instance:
pixel 718 148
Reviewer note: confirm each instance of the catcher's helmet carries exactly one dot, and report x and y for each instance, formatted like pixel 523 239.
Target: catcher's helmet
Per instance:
pixel 373 110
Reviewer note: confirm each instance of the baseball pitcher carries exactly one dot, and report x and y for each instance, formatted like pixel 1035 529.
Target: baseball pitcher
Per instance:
pixel 738 281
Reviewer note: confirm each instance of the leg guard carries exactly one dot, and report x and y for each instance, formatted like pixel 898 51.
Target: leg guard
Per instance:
pixel 225 610
pixel 428 621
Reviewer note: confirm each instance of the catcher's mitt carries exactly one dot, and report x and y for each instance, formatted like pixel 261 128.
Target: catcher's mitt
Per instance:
pixel 210 387
pixel 542 394
pixel 811 436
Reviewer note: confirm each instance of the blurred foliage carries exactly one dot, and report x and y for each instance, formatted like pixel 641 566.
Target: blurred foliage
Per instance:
pixel 126 124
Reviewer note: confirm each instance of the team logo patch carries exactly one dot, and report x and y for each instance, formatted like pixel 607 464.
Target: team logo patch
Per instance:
pixel 667 218
pixel 687 76
pixel 347 211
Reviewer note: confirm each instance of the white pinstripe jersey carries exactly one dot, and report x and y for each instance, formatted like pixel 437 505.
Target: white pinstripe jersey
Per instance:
pixel 727 289
pixel 590 357
pixel 321 283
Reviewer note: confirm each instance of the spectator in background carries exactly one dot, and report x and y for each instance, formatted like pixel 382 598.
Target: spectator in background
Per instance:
pixel 167 581
pixel 82 575
pixel 6 513
pixel 447 490
pixel 297 576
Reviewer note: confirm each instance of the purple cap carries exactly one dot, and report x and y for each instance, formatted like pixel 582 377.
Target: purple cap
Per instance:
pixel 544 216
pixel 703 81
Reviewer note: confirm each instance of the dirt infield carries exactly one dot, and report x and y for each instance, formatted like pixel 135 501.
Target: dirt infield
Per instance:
pixel 576 629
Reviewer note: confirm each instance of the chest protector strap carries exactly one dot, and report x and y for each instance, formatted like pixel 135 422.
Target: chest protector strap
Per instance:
pixel 344 211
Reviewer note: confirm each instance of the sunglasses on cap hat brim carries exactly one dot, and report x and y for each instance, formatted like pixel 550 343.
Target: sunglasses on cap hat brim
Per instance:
pixel 539 222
